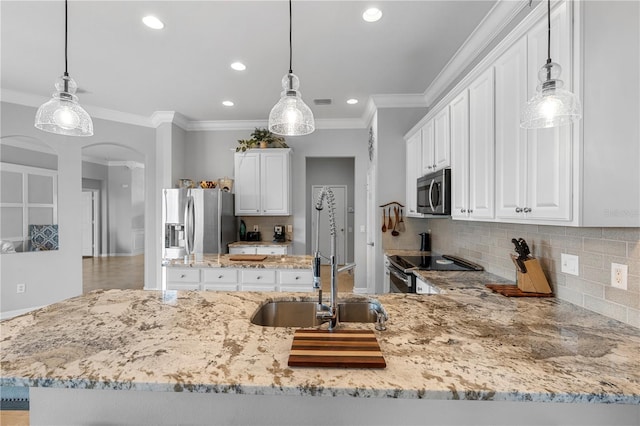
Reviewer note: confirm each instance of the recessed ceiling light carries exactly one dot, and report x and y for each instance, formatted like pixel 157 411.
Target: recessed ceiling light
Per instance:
pixel 227 103
pixel 352 101
pixel 238 66
pixel 153 22
pixel 372 15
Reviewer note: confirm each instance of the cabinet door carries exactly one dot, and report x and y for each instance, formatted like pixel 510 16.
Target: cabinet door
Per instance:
pixel 275 183
pixel 242 250
pixel 413 172
pixel 481 147
pixel 460 156
pixel 247 184
pixel 511 139
pixel 296 280
pixel 549 192
pixel 442 141
pixel 428 141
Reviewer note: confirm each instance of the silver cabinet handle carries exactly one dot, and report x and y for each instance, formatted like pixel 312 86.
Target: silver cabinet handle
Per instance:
pixel 370 244
pixel 518 209
pixel 258 277
pixel 434 166
pixel 463 210
pixel 220 276
pixel 470 211
pixel 297 277
pixel 183 275
pixel 527 210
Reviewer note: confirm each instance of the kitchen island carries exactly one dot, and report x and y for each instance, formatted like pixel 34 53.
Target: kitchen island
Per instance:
pixel 465 356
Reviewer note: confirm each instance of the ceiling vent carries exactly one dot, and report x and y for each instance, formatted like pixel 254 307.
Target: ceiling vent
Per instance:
pixel 322 101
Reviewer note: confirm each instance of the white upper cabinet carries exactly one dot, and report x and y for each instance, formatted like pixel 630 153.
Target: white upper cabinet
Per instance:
pixel 533 167
pixel 481 147
pixel 442 140
pixel 428 147
pixel 413 172
pixel 472 147
pixel 436 143
pixel 263 182
pixel 460 156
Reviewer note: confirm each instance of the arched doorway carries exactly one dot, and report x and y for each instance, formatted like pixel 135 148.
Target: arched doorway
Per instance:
pixel 113 224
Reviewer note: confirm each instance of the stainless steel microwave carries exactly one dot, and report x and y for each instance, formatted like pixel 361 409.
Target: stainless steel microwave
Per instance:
pixel 434 193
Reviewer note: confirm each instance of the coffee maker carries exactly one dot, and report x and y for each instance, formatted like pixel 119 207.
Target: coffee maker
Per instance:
pixel 278 234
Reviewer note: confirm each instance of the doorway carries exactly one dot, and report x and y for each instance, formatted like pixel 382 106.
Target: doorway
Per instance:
pixel 89 226
pixel 334 172
pixel 340 198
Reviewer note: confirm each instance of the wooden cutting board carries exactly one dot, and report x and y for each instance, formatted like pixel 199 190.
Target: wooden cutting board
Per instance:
pixel 514 291
pixel 339 348
pixel 242 257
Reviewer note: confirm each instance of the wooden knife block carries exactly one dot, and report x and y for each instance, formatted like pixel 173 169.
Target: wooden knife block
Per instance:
pixel 534 280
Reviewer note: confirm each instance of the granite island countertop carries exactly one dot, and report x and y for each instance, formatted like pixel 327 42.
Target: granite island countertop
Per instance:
pixel 467 343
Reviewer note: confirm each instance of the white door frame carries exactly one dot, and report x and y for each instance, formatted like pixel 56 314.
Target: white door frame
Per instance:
pixel 341 249
pixel 95 197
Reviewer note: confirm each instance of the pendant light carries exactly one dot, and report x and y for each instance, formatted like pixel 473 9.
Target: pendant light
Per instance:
pixel 62 114
pixel 552 105
pixel 291 116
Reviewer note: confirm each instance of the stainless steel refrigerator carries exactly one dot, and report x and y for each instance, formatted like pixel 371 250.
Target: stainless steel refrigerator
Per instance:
pixel 197 221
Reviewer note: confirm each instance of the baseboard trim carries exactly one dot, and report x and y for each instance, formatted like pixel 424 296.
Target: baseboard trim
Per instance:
pixel 17 312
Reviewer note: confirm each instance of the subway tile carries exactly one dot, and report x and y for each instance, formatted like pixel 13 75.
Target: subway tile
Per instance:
pixel 610 247
pixel 552 230
pixel 622 297
pixel 594 260
pixel 633 317
pixel 566 242
pixel 584 286
pixel 624 234
pixel 602 276
pixel 633 250
pixel 606 308
pixel 584 232
pixel 633 283
pixel 570 295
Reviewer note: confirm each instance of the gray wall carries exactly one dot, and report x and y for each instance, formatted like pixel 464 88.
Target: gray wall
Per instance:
pixel 58 274
pixel 28 157
pixel 331 171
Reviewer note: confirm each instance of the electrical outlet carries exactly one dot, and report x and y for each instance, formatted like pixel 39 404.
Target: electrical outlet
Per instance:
pixel 570 264
pixel 619 275
pixel 255 228
pixel 21 288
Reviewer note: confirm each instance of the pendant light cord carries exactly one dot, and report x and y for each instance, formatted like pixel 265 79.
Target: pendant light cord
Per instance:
pixel 290 43
pixel 548 31
pixel 65 38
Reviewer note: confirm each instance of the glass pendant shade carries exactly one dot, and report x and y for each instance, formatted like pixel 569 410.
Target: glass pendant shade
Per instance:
pixel 291 116
pixel 552 105
pixel 62 114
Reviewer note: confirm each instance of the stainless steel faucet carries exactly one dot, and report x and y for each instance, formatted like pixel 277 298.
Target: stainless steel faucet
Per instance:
pixel 326 313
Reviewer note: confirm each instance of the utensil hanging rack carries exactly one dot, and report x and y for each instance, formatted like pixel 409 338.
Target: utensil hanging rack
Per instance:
pixel 390 203
pixel 398 218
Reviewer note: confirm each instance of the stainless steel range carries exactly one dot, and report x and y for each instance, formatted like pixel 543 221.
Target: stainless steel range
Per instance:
pixel 400 269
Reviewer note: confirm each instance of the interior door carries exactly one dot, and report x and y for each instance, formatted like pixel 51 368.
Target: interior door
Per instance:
pixel 87 223
pixel 340 194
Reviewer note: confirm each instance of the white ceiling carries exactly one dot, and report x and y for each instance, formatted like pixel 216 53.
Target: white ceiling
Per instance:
pixel 124 66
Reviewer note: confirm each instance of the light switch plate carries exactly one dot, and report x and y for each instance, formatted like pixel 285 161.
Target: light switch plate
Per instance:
pixel 570 264
pixel 289 228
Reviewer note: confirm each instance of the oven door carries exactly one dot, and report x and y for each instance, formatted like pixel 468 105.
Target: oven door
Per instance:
pixel 400 282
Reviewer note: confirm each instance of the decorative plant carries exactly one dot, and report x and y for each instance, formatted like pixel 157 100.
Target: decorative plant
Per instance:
pixel 263 136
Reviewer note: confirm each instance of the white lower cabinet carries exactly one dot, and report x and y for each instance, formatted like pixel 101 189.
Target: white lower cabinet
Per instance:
pixel 270 250
pixel 242 250
pixel 239 279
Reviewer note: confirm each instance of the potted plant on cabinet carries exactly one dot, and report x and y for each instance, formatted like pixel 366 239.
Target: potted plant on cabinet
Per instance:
pixel 262 138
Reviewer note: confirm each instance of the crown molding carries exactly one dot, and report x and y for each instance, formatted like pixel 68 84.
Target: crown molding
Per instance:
pixel 493 23
pixel 399 101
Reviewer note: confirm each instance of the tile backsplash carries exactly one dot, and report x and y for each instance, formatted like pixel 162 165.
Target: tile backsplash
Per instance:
pixel 489 244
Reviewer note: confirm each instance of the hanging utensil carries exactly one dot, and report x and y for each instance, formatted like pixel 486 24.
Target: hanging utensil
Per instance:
pixel 401 226
pixel 390 226
pixel 395 232
pixel 384 221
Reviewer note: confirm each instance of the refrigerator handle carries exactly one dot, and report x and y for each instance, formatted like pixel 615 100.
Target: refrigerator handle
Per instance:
pixel 189 228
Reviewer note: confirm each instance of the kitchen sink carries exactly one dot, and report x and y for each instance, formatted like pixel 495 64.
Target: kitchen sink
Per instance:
pixel 286 313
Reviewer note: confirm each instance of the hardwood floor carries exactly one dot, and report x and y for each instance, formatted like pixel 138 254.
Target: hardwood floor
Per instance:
pixel 345 280
pixel 14 417
pixel 115 272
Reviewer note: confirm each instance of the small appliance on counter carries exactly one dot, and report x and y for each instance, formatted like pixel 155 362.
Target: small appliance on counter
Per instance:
pixel 254 236
pixel 278 234
pixel 425 241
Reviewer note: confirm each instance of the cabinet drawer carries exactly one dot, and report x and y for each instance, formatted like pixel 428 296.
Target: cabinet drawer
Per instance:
pixel 300 288
pixel 257 287
pixel 258 276
pixel 271 250
pixel 220 275
pixel 297 276
pixel 220 287
pixel 242 250
pixel 182 286
pixel 181 275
